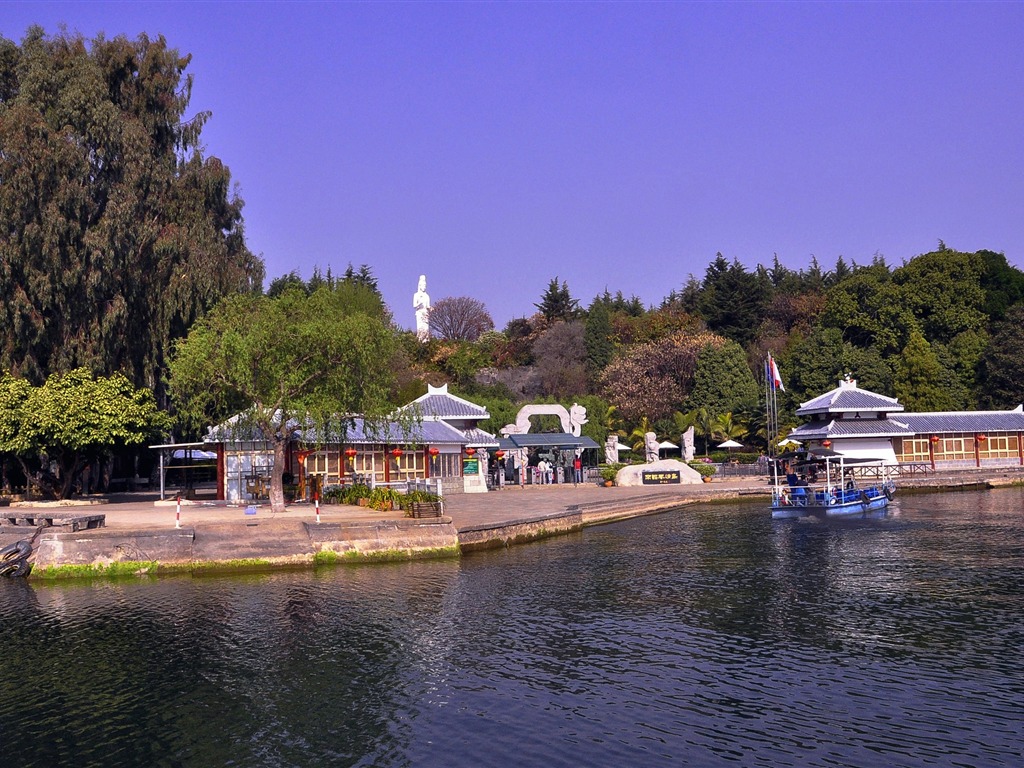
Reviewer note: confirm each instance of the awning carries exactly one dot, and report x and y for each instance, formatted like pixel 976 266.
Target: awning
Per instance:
pixel 563 441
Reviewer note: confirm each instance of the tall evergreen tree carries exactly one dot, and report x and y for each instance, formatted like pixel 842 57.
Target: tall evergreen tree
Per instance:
pixel 116 233
pixel 557 303
pixel 597 338
pixel 1002 366
pixel 918 382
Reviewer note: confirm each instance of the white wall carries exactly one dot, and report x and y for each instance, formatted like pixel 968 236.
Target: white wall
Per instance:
pixel 866 448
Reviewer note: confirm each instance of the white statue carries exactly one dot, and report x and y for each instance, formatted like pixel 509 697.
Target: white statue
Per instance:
pixel 688 445
pixel 611 449
pixel 650 447
pixel 421 305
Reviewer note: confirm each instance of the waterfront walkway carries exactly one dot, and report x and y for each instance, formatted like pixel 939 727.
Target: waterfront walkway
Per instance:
pixel 139 528
pixel 496 507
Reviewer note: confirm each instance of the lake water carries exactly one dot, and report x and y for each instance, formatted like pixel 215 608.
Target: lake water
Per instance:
pixel 706 637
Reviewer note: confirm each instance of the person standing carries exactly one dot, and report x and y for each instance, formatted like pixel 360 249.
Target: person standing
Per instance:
pixel 577 470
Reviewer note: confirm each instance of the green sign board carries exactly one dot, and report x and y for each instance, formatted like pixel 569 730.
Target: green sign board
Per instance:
pixel 471 466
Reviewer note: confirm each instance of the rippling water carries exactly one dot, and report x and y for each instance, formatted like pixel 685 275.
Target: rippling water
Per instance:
pixel 710 637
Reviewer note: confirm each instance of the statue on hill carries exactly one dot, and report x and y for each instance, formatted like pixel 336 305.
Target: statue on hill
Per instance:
pixel 421 305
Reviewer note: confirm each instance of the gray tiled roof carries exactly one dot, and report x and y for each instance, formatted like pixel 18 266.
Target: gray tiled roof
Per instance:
pixel 964 422
pixel 438 403
pixel 852 428
pixel 477 437
pixel 847 397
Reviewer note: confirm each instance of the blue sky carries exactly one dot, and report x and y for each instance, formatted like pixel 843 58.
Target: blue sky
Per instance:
pixel 494 146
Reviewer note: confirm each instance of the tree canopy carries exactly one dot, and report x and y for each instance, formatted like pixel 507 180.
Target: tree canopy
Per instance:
pixel 116 232
pixel 287 364
pixel 53 429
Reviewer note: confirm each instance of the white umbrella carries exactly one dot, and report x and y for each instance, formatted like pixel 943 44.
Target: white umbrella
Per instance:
pixel 730 444
pixel 789 441
pixel 667 445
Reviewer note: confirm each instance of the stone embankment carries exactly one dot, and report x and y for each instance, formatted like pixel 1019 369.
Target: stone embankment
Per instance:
pixel 143 536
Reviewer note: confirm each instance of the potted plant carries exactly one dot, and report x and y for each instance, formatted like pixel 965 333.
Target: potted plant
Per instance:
pixel 608 473
pixel 704 469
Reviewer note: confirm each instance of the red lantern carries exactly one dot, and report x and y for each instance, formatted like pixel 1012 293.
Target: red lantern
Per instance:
pixel 470 451
pixel 350 453
pixel 980 438
pixel 826 443
pixel 934 438
pixel 499 453
pixel 433 450
pixel 397 452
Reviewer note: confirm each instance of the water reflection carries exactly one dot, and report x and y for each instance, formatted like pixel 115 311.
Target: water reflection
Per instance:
pixel 709 637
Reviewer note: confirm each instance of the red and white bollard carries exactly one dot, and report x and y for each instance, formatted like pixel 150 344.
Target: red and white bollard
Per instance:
pixel 177 514
pixel 316 500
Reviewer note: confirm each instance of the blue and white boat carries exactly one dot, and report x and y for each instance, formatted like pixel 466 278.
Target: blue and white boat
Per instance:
pixel 823 482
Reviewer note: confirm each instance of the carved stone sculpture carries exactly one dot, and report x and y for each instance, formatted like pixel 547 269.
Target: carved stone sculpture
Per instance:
pixel 688 445
pixel 651 447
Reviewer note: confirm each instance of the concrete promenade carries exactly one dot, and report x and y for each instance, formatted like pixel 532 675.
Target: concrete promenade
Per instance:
pixel 138 528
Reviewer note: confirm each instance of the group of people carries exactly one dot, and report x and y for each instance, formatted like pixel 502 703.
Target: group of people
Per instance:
pixel 546 470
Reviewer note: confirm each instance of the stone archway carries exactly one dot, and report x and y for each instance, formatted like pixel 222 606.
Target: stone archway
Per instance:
pixel 572 419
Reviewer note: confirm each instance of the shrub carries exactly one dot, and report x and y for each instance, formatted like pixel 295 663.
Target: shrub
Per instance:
pixel 354 493
pixel 703 468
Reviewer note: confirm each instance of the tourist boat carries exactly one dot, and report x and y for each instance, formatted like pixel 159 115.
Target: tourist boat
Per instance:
pixel 823 482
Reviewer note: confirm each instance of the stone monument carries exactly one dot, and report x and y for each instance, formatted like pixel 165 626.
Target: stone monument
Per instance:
pixel 611 449
pixel 688 445
pixel 650 447
pixel 421 305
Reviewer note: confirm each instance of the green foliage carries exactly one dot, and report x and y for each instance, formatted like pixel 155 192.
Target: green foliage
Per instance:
pixel 704 469
pixel 609 471
pixel 499 405
pixel 722 380
pixel 557 303
pixel 597 338
pixel 353 493
pixel 919 379
pixel 384 499
pixel 1003 284
pixel 70 419
pixel 118 233
pixel 292 363
pixel 943 291
pixel 732 300
pixel 1002 365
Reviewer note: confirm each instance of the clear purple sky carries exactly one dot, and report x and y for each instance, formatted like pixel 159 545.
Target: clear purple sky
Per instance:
pixel 494 146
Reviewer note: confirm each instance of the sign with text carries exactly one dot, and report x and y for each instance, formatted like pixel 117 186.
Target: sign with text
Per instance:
pixel 471 466
pixel 660 478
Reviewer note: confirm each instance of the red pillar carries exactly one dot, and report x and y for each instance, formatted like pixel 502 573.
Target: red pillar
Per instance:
pixel 222 479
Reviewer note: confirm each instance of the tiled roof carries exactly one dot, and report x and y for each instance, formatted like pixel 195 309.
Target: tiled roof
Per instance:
pixel 438 403
pixel 479 438
pixel 847 428
pixel 965 421
pixel 848 398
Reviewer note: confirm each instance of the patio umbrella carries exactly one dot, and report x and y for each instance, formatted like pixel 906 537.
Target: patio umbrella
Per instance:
pixel 730 444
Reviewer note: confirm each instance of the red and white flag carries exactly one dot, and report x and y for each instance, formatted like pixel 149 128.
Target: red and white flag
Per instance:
pixel 773 374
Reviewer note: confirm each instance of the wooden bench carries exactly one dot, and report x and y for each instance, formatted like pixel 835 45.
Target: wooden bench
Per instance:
pixel 49 519
pixel 427 508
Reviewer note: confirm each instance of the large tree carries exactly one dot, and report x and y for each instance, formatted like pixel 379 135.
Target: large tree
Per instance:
pixel 116 232
pixel 55 428
pixel 461 318
pixel 1002 366
pixel 287 364
pixel 920 381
